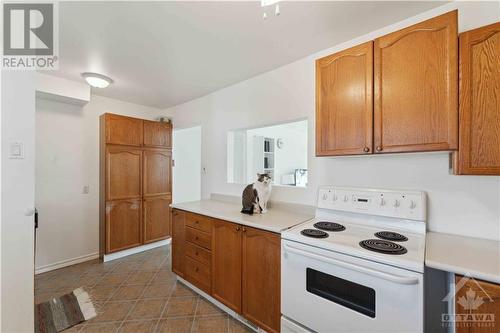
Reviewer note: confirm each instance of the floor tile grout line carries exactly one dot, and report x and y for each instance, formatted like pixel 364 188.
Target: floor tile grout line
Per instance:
pixel 194 317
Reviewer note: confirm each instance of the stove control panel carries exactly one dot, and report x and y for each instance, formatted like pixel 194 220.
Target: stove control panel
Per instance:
pixel 410 205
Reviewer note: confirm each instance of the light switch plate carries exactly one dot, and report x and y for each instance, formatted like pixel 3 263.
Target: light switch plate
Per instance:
pixel 16 150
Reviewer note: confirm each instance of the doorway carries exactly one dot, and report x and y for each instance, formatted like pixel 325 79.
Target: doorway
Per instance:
pixel 187 167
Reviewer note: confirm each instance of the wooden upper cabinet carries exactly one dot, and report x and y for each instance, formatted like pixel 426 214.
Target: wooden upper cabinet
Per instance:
pixel 123 173
pixel 415 87
pixel 121 130
pixel 157 172
pixel 123 225
pixel 479 102
pixel 178 242
pixel 344 102
pixel 156 218
pixel 157 134
pixel 484 291
pixel 261 278
pixel 226 278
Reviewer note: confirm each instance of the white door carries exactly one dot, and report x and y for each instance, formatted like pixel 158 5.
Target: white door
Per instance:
pixel 187 169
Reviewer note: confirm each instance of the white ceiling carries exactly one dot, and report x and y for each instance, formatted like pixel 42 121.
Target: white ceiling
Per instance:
pixel 166 53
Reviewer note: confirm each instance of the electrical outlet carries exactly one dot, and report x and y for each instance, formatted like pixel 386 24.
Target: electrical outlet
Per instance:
pixel 85 189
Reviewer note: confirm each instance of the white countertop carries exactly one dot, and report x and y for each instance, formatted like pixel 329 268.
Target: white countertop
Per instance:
pixel 275 220
pixel 464 255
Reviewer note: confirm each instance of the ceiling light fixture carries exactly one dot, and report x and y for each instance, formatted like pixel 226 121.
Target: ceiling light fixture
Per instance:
pixel 97 80
pixel 265 3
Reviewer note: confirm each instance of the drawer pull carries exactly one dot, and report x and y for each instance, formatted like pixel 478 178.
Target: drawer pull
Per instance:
pixel 196 237
pixel 196 253
pixel 196 269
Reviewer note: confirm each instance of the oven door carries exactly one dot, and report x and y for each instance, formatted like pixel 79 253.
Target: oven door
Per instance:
pixel 327 291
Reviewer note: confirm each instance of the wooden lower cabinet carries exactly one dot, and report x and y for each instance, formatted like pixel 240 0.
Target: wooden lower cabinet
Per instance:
pixel 477 297
pixel 156 219
pixel 262 278
pixel 123 224
pixel 227 257
pixel 237 265
pixel 178 243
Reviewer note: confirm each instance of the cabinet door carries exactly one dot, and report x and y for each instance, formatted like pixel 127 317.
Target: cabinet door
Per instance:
pixel 477 291
pixel 157 134
pixel 416 87
pixel 261 278
pixel 123 173
pixel 344 102
pixel 178 249
pixel 123 225
pixel 156 218
pixel 479 102
pixel 157 172
pixel 121 130
pixel 226 252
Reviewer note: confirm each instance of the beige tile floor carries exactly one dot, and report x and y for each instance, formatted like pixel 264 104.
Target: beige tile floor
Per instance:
pixel 136 294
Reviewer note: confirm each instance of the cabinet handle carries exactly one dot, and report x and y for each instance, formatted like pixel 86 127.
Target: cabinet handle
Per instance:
pixel 196 253
pixel 366 149
pixel 196 221
pixel 379 148
pixel 244 229
pixel 196 269
pixel 196 237
pixel 237 228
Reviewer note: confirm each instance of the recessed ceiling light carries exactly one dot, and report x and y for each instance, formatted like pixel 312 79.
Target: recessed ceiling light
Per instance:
pixel 97 80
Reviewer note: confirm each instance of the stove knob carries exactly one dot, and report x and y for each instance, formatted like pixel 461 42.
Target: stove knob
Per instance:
pixel 381 202
pixel 396 203
pixel 412 204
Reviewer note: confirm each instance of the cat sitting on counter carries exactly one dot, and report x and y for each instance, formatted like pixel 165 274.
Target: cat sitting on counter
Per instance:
pixel 255 196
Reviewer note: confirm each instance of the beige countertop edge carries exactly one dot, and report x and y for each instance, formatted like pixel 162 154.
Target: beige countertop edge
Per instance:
pixel 480 258
pixel 269 226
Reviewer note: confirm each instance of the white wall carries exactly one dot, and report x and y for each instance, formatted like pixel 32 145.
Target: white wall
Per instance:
pixel 67 159
pixel 17 285
pixel 468 205
pixel 187 169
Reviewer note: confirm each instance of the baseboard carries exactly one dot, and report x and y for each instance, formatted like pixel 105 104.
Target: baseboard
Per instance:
pixel 64 263
pixel 134 250
pixel 221 306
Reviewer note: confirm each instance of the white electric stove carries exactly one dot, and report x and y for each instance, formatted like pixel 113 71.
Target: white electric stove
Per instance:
pixel 358 265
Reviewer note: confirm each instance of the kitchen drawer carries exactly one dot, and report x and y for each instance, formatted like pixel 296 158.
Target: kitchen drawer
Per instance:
pixel 199 238
pixel 198 274
pixel 198 253
pixel 199 222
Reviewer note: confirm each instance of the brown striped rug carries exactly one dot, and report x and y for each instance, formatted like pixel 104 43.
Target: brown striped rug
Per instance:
pixel 63 312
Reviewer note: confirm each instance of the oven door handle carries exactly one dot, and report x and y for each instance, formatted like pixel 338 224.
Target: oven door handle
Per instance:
pixel 361 269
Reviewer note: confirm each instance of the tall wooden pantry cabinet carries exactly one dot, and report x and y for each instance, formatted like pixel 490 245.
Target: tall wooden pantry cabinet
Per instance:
pixel 135 182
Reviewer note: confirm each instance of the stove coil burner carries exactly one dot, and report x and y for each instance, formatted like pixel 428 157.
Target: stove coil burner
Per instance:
pixel 382 246
pixel 314 233
pixel 391 236
pixel 329 226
